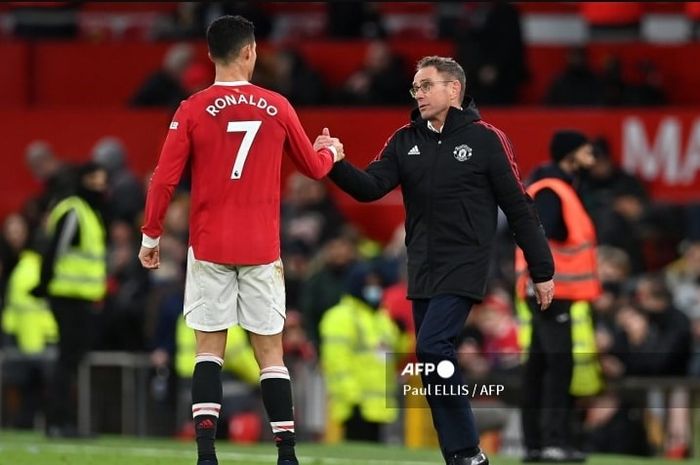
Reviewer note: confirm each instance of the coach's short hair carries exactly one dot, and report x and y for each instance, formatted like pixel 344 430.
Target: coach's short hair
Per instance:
pixel 227 35
pixel 448 66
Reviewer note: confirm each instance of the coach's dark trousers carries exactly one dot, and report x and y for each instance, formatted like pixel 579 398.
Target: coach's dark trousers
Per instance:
pixel 439 321
pixel 546 403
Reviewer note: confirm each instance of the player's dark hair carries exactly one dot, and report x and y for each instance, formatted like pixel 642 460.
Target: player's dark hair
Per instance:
pixel 227 35
pixel 447 66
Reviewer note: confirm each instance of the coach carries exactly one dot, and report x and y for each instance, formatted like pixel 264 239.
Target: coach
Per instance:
pixel 455 170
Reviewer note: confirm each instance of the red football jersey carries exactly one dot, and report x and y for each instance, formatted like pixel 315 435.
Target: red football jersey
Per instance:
pixel 233 133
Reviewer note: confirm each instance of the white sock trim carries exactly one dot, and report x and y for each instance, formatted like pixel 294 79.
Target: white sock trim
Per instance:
pixel 280 426
pixel 206 408
pixel 208 358
pixel 274 372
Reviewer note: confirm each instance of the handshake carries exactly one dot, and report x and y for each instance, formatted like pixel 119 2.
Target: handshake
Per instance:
pixel 325 141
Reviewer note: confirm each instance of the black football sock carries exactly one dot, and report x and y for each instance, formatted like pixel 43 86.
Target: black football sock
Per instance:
pixel 276 390
pixel 206 403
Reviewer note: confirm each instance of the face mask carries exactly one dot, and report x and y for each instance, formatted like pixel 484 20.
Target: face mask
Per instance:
pixel 372 295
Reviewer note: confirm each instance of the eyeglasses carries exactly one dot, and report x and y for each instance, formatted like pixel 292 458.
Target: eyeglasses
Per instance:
pixel 425 86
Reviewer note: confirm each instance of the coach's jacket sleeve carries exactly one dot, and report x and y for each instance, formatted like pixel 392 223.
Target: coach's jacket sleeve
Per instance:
pixel 519 209
pixel 379 178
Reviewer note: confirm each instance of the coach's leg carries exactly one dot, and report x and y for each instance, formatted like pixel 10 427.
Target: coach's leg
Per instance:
pixel 207 391
pixel 276 389
pixel 452 416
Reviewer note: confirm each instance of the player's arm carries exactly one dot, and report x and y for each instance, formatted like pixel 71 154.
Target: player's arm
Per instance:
pixel 522 216
pixel 172 161
pixel 311 163
pixel 379 178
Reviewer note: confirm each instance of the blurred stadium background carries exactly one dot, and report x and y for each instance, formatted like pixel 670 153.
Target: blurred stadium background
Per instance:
pixel 100 80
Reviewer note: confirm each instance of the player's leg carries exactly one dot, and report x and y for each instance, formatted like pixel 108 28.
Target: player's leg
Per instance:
pixel 261 311
pixel 211 292
pixel 276 389
pixel 207 392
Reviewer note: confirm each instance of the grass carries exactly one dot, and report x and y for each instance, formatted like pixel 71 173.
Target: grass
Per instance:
pixel 32 449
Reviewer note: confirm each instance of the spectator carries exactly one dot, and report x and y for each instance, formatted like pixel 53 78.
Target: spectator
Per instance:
pixel 613 272
pixel 14 238
pixel 30 328
pixel 612 426
pixel 297 81
pixel 376 83
pixel 122 317
pixel 57 180
pixel 309 214
pixel 650 91
pixel 324 288
pixel 683 278
pixel 655 338
pixel 125 193
pixel 623 225
pixel 358 341
pixel 186 22
pixel 577 85
pixel 493 52
pixel 74 278
pixel 603 180
pixel 354 20
pixel 164 87
pixel 614 87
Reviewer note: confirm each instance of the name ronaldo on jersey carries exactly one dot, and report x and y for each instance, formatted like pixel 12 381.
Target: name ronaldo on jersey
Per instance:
pixel 227 100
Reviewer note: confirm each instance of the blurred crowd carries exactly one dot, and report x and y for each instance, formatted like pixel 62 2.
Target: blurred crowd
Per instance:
pixel 647 320
pixel 488 39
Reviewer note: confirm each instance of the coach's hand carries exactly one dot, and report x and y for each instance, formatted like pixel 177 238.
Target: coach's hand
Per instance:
pixel 150 258
pixel 544 292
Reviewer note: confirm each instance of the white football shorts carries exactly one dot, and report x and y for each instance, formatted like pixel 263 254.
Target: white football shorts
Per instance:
pixel 220 296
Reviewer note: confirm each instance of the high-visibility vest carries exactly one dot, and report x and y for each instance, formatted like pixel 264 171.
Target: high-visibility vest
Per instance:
pixel 575 260
pixel 26 317
pixel 80 272
pixel 238 358
pixel 358 344
pixel 587 377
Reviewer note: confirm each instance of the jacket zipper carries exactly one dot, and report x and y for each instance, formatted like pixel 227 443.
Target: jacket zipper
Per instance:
pixel 430 214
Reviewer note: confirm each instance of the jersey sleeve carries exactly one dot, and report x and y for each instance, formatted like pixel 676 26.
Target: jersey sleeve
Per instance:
pixel 173 158
pixel 311 163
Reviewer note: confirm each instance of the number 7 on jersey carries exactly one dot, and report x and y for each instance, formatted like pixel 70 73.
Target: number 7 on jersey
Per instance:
pixel 251 129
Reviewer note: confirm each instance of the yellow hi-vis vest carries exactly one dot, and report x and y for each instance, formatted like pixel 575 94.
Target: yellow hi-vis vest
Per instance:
pixel 356 356
pixel 26 317
pixel 239 358
pixel 587 378
pixel 80 272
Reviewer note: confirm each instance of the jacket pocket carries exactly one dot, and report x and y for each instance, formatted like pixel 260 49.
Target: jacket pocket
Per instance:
pixel 473 233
